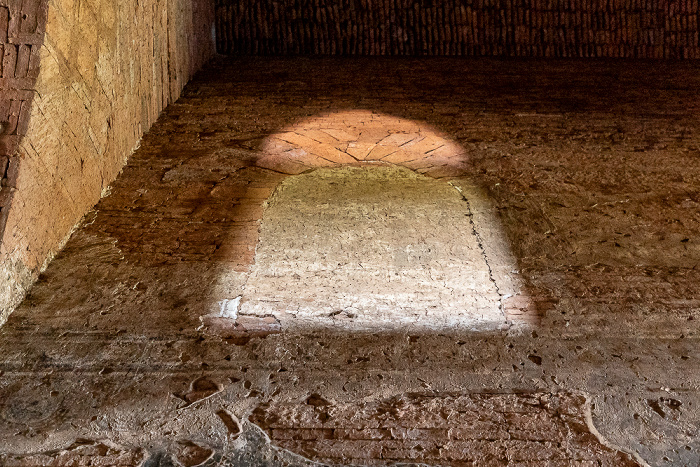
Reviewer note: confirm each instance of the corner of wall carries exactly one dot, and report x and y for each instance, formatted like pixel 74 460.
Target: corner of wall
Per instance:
pixel 15 281
pixel 71 114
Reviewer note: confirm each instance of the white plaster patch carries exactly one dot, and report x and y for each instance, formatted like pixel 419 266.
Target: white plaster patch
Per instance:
pixel 371 248
pixel 228 308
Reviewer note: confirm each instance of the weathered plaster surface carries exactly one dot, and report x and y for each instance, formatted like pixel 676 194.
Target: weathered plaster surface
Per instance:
pixel 107 69
pixel 374 249
pixel 591 169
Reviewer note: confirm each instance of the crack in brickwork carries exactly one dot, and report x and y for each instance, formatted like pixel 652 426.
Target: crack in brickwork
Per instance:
pixel 480 243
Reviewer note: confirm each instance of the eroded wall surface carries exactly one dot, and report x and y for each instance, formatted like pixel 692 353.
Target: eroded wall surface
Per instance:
pixel 372 248
pixel 107 69
pixel 591 168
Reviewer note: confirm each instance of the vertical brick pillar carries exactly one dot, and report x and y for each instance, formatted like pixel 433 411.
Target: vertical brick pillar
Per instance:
pixel 22 26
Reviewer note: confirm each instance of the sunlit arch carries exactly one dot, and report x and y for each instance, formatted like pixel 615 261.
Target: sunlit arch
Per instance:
pixel 360 137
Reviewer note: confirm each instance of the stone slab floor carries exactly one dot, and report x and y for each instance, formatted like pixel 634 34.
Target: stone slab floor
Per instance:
pixel 581 177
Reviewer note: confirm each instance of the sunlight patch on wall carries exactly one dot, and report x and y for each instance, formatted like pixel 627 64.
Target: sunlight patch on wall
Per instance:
pixel 372 248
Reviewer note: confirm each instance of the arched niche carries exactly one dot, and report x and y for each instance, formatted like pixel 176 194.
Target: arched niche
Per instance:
pixel 378 227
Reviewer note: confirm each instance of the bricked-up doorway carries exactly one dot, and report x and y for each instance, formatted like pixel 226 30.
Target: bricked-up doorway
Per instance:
pixel 381 228
pixel 371 248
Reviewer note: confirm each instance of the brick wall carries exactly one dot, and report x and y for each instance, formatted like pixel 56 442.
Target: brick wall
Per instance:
pixel 513 28
pixel 99 74
pixel 21 35
pixel 446 429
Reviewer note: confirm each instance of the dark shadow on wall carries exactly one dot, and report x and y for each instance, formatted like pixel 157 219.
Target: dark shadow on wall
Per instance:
pixel 448 27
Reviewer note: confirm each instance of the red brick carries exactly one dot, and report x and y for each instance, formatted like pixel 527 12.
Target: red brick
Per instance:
pixel 380 152
pixel 30 16
pixel 338 449
pixel 17 88
pixel 14 20
pixel 6 194
pixel 23 118
pixel 472 450
pixel 533 427
pixel 331 154
pixel 412 451
pixel 478 430
pixel 282 164
pixel 13 117
pixel 9 60
pixel 34 59
pixel 445 171
pixel 362 433
pixel 22 65
pixel 239 253
pixel 8 145
pixel 538 451
pixel 405 433
pixel 5 110
pixel 4 213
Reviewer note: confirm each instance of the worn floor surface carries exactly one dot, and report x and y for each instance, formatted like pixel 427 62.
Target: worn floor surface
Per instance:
pixel 581 194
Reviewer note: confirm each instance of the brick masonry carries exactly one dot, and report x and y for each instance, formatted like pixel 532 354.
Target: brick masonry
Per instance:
pixel 440 429
pixel 412 429
pixel 107 70
pixel 591 166
pixel 22 25
pixel 508 28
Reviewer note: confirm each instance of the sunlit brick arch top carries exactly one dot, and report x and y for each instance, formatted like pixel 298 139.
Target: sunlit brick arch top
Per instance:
pixel 360 137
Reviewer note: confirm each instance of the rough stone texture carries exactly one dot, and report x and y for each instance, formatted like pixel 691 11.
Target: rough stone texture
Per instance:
pixel 511 28
pixel 107 70
pixel 458 430
pixel 371 248
pixel 373 139
pixel 591 167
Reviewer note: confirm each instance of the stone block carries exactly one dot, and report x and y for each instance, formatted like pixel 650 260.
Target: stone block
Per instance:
pixel 8 144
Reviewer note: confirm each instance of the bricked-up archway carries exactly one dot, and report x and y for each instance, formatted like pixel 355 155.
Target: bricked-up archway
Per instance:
pixel 363 138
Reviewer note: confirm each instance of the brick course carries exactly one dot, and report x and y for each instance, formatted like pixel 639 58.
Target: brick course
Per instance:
pixel 445 429
pixel 508 28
